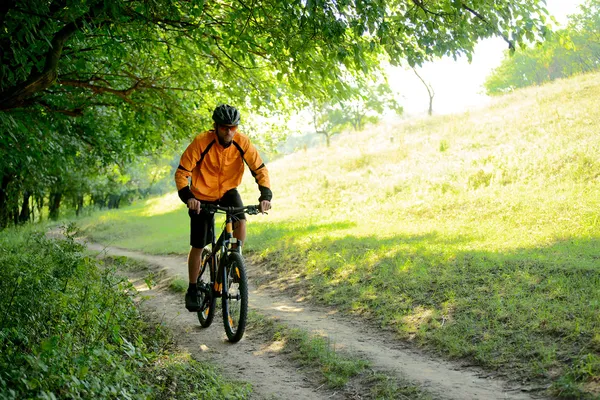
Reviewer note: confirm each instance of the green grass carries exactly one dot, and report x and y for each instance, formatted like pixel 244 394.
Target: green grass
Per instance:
pixel 179 285
pixel 317 356
pixel 475 235
pixel 143 227
pixel 69 328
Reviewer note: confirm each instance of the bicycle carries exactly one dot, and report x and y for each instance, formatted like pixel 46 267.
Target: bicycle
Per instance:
pixel 223 274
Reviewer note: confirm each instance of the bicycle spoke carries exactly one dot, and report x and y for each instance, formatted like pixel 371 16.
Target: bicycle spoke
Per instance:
pixel 235 304
pixel 205 294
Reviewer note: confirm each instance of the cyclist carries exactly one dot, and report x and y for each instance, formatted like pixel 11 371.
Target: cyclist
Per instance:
pixel 215 162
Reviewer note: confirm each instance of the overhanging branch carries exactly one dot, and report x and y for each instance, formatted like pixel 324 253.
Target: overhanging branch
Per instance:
pixel 97 89
pixel 511 45
pixel 76 112
pixel 478 15
pixel 15 96
pixel 420 4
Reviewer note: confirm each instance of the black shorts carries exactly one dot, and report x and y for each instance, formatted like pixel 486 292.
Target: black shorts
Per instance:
pixel 201 225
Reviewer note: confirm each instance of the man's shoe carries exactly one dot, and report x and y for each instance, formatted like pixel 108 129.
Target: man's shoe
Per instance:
pixel 191 301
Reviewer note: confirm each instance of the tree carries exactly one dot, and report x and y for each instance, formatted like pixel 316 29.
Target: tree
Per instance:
pixel 114 78
pixel 328 120
pixel 430 91
pixel 364 100
pixel 367 102
pixel 68 56
pixel 573 50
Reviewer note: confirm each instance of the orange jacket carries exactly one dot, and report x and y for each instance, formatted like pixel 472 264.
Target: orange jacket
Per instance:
pixel 216 169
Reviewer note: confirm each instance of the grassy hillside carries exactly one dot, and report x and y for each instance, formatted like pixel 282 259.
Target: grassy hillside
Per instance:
pixel 476 235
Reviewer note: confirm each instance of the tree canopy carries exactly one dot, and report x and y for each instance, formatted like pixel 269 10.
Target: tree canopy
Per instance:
pixel 87 83
pixel 569 51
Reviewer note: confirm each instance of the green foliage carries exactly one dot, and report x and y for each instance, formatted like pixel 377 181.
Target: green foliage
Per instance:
pixel 480 178
pixel 382 387
pixel 69 329
pixel 85 85
pixel 329 120
pixel 369 100
pixel 570 51
pixel 444 146
pixel 584 369
pixel 364 102
pixel 317 351
pixel 179 285
pixel 181 377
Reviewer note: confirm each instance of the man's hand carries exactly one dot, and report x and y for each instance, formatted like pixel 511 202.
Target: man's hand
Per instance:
pixel 194 205
pixel 265 205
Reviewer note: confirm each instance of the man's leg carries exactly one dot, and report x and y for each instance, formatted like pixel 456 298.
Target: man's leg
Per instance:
pixel 199 232
pixel 191 297
pixel 239 231
pixel 194 264
pixel 232 199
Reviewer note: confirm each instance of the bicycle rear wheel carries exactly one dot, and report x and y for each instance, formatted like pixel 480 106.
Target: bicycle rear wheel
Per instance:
pixel 205 294
pixel 235 304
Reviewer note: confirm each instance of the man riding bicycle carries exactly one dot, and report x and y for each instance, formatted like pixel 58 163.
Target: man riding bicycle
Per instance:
pixel 215 161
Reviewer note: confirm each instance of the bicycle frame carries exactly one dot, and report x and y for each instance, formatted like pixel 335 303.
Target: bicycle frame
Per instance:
pixel 221 246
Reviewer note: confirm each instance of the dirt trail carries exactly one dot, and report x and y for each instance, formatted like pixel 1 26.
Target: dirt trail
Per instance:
pixel 271 374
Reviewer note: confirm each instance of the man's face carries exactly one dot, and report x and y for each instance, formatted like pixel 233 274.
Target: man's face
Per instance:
pixel 226 132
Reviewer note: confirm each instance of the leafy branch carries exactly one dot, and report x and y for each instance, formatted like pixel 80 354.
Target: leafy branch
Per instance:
pixel 14 97
pixel 511 45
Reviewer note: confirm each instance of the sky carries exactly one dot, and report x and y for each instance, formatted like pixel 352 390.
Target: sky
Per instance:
pixel 458 85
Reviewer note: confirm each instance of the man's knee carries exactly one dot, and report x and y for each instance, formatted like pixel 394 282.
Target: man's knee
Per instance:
pixel 239 224
pixel 195 253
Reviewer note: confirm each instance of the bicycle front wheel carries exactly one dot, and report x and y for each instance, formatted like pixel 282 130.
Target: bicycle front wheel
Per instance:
pixel 235 303
pixel 205 293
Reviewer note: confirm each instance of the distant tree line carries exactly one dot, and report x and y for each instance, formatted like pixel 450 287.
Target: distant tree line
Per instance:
pixel 569 51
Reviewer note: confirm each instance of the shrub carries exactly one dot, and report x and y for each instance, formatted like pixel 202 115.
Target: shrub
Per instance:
pixel 69 329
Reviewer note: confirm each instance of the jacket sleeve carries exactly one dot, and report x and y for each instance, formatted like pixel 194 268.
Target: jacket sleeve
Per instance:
pixel 188 161
pixel 259 172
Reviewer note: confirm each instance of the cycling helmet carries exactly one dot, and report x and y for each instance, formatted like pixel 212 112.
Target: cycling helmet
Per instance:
pixel 226 115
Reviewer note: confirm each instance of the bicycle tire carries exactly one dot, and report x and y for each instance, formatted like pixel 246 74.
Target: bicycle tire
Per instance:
pixel 207 314
pixel 235 304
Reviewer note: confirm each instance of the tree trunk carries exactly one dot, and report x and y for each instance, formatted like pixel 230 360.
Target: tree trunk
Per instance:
pixel 14 214
pixel 113 201
pixel 79 205
pixel 14 97
pixel 54 205
pixel 39 199
pixel 430 112
pixel 99 201
pixel 430 91
pixel 4 214
pixel 25 209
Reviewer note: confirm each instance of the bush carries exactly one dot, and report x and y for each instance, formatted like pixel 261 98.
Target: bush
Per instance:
pixel 69 329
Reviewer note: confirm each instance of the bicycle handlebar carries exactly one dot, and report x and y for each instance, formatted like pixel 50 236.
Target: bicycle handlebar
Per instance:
pixel 213 208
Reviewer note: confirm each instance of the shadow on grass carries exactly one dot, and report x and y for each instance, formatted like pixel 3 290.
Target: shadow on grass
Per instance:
pixel 533 312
